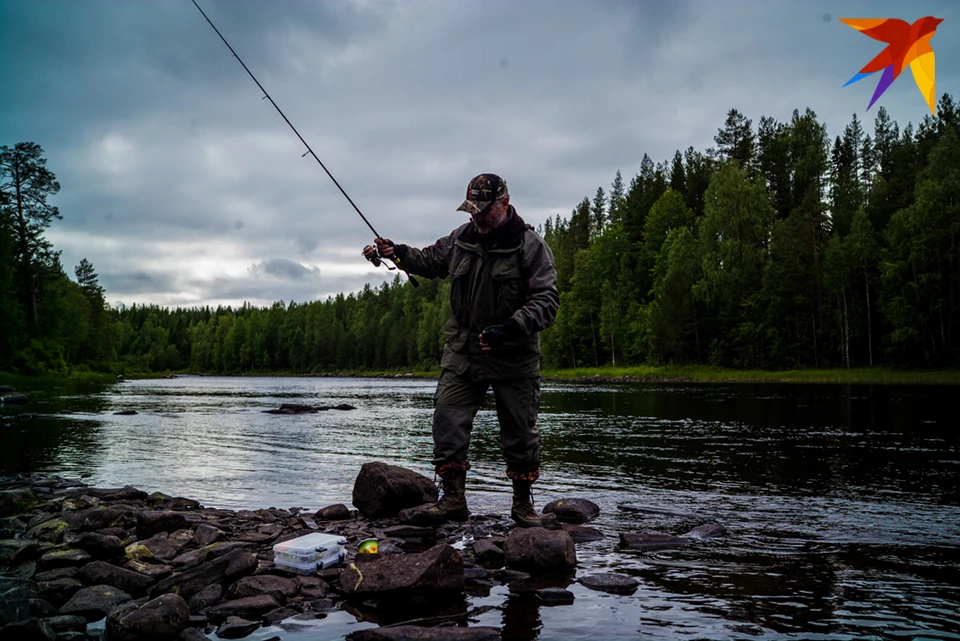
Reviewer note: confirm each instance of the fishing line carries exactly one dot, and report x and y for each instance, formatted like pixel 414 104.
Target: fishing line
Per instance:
pixel 309 151
pixel 303 118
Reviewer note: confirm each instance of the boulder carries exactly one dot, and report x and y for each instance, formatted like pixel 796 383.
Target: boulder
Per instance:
pixel 205 598
pixel 14 502
pixel 610 582
pixel 540 549
pixel 50 530
pixel 162 618
pixel 249 607
pixel 276 586
pixel 64 557
pixel 338 512
pixel 439 569
pixel 573 510
pixel 15 595
pixel 382 490
pixel 28 630
pixel 228 567
pixel 155 570
pixel 647 541
pixel 160 546
pixel 95 602
pixel 312 587
pixel 59 573
pixel 207 534
pixel 14 398
pixel 419 633
pixel 236 628
pixel 100 546
pixel 102 573
pixel 58 591
pixel 488 553
pixel 66 624
pixel 96 518
pixel 17 551
pixel 152 522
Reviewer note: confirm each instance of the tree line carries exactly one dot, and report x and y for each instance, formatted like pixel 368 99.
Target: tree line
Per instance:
pixel 778 247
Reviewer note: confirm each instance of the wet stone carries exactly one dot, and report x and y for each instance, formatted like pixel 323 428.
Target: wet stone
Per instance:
pixel 488 553
pixel 573 510
pixel 64 558
pixel 650 541
pixel 66 623
pixel 251 607
pixel 581 534
pixel 14 552
pixel 29 630
pixel 312 587
pixel 610 582
pixel 337 512
pixel 555 596
pixel 153 522
pixel 154 570
pixel 102 573
pixel 59 573
pixel 540 549
pixel 161 618
pixel 278 587
pixel 100 546
pixel 276 616
pixel 236 628
pixel 58 591
pixel 418 633
pixel 708 531
pixel 207 534
pixel 95 601
pixel 205 598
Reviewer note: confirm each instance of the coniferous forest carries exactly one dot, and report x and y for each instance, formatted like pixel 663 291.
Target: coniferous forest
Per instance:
pixel 781 247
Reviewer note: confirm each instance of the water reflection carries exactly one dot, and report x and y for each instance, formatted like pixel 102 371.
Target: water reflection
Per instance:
pixel 842 502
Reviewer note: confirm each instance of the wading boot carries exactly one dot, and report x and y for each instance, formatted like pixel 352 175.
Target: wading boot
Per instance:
pixel 452 505
pixel 522 511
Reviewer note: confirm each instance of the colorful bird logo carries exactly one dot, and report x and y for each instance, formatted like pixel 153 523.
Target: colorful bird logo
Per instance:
pixel 906 44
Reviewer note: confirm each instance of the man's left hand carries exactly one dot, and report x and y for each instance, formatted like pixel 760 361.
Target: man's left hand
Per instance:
pixel 492 336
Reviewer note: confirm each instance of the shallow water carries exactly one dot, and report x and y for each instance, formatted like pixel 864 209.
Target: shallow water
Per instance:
pixel 842 502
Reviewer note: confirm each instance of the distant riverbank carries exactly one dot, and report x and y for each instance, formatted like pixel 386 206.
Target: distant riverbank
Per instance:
pixel 653 374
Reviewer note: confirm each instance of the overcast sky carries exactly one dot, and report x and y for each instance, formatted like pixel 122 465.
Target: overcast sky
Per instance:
pixel 183 187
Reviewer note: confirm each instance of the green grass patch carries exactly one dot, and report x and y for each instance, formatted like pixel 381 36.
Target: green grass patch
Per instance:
pixel 700 373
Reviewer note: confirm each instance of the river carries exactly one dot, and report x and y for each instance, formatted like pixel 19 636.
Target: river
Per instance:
pixel 842 502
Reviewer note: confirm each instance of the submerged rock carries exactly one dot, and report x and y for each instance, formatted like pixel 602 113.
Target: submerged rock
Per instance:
pixel 573 510
pixel 610 582
pixel 417 633
pixel 708 531
pixel 651 541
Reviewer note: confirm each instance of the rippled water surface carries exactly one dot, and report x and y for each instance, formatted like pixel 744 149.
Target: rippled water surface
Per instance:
pixel 842 502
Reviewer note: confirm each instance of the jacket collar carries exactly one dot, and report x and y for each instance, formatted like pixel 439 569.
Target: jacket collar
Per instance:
pixel 507 235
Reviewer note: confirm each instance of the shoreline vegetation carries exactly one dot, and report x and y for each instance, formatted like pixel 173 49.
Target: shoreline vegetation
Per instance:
pixel 634 374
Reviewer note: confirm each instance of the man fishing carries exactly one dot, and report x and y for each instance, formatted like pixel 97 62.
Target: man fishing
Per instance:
pixel 503 294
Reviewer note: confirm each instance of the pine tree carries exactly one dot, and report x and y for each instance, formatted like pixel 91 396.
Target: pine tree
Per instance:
pixel 735 140
pixel 28 183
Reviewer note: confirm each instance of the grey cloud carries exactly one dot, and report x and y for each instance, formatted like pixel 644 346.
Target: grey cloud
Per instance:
pixel 166 152
pixel 284 268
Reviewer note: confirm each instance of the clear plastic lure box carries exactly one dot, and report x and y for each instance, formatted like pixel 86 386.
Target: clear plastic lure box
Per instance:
pixel 311 566
pixel 316 549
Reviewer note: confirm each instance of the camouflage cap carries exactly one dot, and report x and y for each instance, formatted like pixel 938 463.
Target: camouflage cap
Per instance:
pixel 483 190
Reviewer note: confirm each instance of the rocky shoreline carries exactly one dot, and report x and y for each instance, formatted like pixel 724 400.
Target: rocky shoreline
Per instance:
pixel 145 566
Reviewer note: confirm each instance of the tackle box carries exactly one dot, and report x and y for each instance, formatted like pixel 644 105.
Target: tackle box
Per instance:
pixel 310 566
pixel 306 554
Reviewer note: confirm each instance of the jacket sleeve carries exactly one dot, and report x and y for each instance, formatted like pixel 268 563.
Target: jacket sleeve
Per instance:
pixel 429 262
pixel 539 312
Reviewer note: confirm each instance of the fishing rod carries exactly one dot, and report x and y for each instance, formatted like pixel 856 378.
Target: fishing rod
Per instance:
pixel 369 252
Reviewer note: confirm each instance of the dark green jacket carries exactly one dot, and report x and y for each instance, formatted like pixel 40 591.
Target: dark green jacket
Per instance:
pixel 508 274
